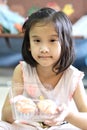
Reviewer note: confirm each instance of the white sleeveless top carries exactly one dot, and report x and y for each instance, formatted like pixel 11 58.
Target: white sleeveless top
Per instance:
pixel 63 91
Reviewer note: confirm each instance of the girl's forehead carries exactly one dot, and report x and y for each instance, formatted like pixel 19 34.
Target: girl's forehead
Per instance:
pixel 43 29
pixel 43 24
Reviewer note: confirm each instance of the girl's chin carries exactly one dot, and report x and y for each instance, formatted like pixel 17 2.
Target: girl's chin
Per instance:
pixel 46 66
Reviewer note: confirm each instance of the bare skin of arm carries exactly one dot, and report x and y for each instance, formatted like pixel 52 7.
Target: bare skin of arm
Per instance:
pixel 79 119
pixel 6 110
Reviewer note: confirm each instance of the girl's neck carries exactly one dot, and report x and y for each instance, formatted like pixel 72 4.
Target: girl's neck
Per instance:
pixel 48 77
pixel 45 72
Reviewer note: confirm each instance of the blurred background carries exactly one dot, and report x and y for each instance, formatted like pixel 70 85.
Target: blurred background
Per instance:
pixel 12 15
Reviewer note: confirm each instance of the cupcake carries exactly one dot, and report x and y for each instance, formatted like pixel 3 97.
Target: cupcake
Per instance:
pixel 24 105
pixel 47 106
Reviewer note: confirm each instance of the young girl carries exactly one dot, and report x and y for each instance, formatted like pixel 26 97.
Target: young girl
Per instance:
pixel 48 56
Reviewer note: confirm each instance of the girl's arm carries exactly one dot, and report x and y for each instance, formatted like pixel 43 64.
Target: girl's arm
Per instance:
pixel 6 110
pixel 79 119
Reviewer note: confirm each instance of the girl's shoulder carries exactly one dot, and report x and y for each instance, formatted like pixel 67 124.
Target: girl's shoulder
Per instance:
pixel 72 75
pixel 25 67
pixel 17 74
pixel 74 71
pixel 28 72
pixel 18 69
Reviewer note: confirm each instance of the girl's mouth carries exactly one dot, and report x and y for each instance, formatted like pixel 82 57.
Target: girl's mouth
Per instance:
pixel 45 57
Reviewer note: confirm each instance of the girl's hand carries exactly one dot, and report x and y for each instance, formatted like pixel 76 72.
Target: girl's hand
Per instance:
pixel 60 117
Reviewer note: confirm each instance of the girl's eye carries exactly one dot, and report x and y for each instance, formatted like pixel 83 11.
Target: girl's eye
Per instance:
pixel 37 41
pixel 53 40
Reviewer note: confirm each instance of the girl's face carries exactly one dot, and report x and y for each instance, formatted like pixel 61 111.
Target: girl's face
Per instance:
pixel 44 44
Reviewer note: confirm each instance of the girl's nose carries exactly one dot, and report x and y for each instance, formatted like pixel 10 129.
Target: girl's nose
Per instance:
pixel 44 49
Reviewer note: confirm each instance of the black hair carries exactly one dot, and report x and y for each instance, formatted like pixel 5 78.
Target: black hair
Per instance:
pixel 63 27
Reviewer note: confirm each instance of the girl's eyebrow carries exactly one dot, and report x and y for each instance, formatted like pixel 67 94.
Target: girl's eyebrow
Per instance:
pixel 34 36
pixel 54 35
